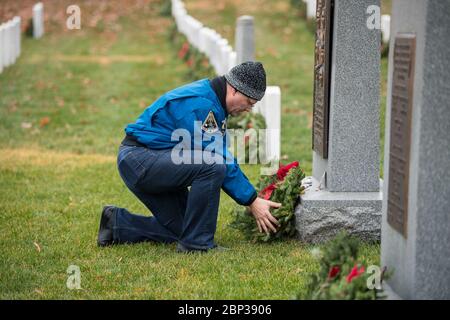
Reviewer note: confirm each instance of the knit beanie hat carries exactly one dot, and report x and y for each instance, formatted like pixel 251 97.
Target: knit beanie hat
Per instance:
pixel 249 78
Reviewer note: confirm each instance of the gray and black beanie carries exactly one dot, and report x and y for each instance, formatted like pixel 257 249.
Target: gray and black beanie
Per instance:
pixel 249 78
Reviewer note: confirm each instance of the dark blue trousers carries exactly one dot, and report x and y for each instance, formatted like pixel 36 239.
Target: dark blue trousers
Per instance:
pixel 179 214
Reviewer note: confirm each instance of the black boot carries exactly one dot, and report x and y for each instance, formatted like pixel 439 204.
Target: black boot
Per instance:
pixel 105 232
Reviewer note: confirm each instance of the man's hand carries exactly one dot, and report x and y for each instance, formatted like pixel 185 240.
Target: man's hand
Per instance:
pixel 264 219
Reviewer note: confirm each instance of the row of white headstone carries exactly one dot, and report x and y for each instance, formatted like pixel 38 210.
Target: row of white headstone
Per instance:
pixel 385 19
pixel 10 36
pixel 10 33
pixel 222 57
pixel 38 20
pixel 206 40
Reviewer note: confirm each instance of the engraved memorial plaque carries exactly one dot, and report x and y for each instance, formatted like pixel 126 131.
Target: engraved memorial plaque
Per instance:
pixel 400 131
pixel 322 55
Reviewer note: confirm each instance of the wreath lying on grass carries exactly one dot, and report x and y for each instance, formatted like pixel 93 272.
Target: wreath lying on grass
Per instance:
pixel 283 187
pixel 341 276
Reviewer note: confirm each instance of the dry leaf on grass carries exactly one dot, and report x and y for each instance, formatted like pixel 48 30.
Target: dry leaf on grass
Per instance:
pixel 26 125
pixel 38 248
pixel 44 121
pixel 39 291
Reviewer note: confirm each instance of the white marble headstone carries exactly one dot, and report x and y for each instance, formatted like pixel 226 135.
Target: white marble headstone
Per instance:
pixel 386 27
pixel 311 9
pixel 2 48
pixel 9 43
pixel 38 20
pixel 232 60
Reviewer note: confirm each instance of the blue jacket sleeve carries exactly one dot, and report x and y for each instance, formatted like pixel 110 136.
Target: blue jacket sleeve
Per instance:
pixel 236 183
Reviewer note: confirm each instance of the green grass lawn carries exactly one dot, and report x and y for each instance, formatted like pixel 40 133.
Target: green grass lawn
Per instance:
pixel 63 107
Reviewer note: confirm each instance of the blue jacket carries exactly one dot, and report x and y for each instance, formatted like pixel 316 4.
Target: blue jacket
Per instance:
pixel 180 108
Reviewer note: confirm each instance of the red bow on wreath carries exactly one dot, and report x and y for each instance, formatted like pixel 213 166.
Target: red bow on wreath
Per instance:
pixel 281 174
pixel 354 273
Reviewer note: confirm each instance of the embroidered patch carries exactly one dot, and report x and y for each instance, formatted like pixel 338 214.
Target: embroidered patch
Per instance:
pixel 210 123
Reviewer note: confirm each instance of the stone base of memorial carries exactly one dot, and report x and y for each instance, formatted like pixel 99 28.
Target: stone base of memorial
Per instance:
pixel 322 214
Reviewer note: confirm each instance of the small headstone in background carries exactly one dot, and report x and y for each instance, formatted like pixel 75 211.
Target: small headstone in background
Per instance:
pixel 386 27
pixel 310 9
pixel 245 39
pixel 232 60
pixel 272 115
pixel 18 35
pixel 13 41
pixel 2 46
pixel 202 34
pixel 38 20
pixel 215 50
pixel 221 46
pixel 226 51
pixel 9 43
pixel 10 37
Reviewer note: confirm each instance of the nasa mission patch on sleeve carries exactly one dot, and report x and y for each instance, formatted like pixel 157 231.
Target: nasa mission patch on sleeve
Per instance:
pixel 210 123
